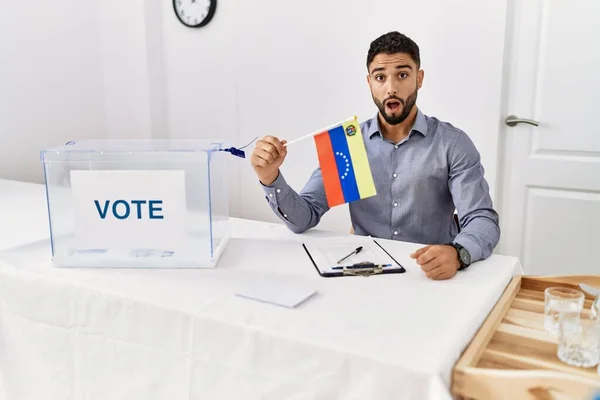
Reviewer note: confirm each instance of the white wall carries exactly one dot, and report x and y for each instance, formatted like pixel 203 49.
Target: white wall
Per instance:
pixel 71 71
pixel 51 84
pixel 130 69
pixel 289 68
pixel 133 68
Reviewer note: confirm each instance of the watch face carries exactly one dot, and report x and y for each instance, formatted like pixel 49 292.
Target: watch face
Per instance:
pixel 465 256
pixel 194 13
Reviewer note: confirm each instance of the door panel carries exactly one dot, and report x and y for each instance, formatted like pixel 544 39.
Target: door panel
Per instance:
pixel 567 77
pixel 550 186
pixel 553 230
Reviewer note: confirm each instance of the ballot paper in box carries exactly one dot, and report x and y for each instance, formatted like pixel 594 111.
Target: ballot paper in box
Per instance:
pixel 137 203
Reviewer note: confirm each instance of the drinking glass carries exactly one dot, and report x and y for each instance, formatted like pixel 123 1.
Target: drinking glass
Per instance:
pixel 579 341
pixel 596 307
pixel 561 301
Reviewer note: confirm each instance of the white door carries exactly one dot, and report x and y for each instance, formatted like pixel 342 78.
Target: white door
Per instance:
pixel 550 176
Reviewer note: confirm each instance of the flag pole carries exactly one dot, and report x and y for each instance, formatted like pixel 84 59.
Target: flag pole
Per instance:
pixel 352 118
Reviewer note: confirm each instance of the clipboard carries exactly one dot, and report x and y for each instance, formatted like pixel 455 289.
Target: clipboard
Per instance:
pixel 375 261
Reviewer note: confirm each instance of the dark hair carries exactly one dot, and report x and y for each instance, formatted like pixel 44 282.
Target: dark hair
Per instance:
pixel 391 43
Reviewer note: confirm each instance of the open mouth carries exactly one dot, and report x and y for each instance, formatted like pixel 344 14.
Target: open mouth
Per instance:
pixel 393 105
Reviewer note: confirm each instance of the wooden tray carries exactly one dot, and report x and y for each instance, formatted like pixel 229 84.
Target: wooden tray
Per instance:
pixel 513 357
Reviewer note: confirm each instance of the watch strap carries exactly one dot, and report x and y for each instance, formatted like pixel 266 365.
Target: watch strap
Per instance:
pixel 458 248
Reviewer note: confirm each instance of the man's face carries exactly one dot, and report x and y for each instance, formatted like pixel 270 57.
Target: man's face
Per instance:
pixel 394 81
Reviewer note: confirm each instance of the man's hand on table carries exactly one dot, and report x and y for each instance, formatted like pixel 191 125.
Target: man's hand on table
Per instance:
pixel 437 261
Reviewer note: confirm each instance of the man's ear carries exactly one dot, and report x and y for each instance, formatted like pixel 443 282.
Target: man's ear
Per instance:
pixel 369 79
pixel 420 77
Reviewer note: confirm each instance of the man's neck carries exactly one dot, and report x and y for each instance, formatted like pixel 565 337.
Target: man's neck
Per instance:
pixel 396 133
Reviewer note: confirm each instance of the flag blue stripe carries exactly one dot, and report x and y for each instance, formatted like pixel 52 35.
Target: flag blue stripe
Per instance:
pixel 344 164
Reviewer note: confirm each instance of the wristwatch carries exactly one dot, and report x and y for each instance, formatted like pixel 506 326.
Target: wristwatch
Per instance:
pixel 463 255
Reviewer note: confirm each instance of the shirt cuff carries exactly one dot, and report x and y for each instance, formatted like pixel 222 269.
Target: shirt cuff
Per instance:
pixel 473 248
pixel 277 190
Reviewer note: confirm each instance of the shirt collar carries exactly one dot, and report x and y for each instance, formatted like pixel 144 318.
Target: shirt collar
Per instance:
pixel 420 125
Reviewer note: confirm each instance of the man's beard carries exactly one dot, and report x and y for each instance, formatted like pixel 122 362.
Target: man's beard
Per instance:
pixel 407 106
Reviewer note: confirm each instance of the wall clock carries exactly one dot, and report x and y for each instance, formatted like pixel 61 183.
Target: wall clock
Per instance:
pixel 195 13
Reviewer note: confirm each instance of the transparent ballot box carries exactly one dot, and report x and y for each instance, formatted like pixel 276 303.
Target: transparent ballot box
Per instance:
pixel 137 203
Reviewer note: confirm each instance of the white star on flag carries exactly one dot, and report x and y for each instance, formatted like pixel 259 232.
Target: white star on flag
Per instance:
pixel 338 153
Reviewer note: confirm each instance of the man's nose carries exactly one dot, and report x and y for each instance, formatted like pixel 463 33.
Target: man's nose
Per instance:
pixel 391 89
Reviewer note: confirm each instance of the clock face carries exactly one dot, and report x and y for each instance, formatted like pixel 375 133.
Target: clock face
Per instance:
pixel 195 13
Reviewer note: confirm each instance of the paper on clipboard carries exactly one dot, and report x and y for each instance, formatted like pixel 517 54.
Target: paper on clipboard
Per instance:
pixel 325 253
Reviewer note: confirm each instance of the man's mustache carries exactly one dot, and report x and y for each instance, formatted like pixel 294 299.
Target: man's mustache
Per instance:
pixel 394 98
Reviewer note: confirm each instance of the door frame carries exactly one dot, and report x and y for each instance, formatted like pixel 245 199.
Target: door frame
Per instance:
pixel 519 83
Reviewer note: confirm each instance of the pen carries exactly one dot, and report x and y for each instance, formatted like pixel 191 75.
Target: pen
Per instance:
pixel 359 266
pixel 356 251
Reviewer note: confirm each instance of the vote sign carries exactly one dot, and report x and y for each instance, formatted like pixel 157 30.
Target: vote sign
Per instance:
pixel 129 209
pixel 125 211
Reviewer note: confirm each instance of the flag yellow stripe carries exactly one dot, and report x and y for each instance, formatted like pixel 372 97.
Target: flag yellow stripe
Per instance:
pixel 360 161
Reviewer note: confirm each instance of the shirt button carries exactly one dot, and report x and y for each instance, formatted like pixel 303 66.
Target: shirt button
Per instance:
pixel 396 146
pixel 278 190
pixel 395 175
pixel 270 194
pixel 395 204
pixel 284 215
pixel 395 233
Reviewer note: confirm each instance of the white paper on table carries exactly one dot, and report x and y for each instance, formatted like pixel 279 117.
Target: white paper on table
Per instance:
pixel 286 295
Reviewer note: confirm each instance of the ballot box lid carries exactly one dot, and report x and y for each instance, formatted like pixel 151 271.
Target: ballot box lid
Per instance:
pixel 113 146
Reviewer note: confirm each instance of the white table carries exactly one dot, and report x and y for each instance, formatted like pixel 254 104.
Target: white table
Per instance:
pixel 183 334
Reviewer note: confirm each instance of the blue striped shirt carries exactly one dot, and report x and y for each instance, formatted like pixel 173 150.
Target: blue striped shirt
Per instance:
pixel 420 182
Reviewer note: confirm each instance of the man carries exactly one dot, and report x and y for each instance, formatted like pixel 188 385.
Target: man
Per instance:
pixel 423 170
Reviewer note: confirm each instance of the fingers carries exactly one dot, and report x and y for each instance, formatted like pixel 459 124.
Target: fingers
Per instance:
pixel 427 257
pixel 440 273
pixel 438 262
pixel 434 273
pixel 262 158
pixel 269 148
pixel 435 262
pixel 431 265
pixel 435 269
pixel 272 142
pixel 267 151
pixel 419 252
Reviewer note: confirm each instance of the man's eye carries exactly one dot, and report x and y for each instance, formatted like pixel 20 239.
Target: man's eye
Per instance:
pixel 379 77
pixel 403 75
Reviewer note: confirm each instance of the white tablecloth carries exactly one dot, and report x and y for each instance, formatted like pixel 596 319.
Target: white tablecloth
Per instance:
pixel 183 334
pixel 23 213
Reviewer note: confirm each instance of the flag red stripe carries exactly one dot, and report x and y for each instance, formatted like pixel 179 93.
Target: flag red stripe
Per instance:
pixel 331 177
